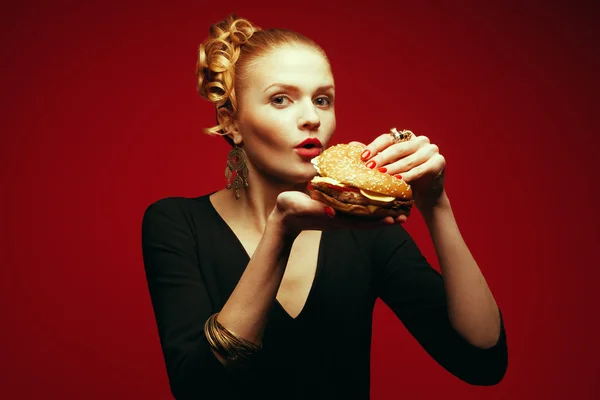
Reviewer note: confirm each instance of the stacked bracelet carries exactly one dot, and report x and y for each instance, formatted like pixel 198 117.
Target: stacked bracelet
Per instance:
pixel 228 344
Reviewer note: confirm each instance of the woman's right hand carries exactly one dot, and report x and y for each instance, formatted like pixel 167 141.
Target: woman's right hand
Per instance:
pixel 296 211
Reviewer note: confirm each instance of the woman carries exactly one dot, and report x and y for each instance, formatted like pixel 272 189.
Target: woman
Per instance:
pixel 259 290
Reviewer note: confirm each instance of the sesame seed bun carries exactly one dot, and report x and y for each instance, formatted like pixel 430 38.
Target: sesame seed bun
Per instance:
pixel 343 163
pixel 345 183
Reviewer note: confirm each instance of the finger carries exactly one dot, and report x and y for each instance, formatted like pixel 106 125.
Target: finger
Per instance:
pixel 434 167
pixel 401 219
pixel 405 163
pixel 358 143
pixel 394 153
pixel 379 144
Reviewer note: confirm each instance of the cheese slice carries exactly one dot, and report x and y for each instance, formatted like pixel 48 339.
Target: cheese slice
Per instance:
pixel 377 196
pixel 372 208
pixel 326 179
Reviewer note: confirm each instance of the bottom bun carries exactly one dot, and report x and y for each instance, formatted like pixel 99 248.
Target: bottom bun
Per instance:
pixel 375 211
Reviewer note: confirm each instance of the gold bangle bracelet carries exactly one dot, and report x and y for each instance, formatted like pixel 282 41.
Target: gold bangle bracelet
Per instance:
pixel 228 344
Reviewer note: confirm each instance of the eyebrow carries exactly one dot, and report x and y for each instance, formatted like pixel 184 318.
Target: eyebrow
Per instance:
pixel 292 87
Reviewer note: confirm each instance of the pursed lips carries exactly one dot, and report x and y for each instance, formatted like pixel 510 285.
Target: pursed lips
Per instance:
pixel 309 148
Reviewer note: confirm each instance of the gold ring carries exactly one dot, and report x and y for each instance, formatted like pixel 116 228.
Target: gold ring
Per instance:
pixel 401 136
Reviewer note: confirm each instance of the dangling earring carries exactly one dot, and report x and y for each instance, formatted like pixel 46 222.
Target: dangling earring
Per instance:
pixel 236 162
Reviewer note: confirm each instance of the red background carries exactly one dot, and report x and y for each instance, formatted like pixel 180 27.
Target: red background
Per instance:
pixel 100 118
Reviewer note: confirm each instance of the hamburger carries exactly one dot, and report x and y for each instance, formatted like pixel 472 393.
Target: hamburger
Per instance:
pixel 346 184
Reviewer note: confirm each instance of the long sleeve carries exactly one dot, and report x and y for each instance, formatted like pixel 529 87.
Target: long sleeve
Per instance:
pixel 415 292
pixel 180 301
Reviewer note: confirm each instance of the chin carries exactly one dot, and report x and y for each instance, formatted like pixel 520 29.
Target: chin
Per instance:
pixel 308 175
pixel 302 174
pixel 291 178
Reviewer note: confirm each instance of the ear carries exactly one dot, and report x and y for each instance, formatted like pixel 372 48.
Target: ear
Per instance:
pixel 225 116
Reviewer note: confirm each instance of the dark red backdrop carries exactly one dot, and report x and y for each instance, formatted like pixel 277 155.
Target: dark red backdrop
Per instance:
pixel 100 118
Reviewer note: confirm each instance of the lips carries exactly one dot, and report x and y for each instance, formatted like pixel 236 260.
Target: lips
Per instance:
pixel 312 152
pixel 310 147
pixel 310 142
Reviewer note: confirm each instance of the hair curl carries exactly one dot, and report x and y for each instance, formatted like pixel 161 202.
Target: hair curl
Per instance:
pixel 224 57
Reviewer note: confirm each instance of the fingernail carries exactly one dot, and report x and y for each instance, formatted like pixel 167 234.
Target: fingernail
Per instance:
pixel 371 164
pixel 398 176
pixel 329 212
pixel 382 169
pixel 365 154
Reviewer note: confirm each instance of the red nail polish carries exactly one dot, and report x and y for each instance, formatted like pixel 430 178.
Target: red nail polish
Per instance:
pixel 398 176
pixel 365 154
pixel 371 164
pixel 329 212
pixel 382 169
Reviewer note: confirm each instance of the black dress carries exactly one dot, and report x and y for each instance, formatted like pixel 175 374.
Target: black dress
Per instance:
pixel 193 262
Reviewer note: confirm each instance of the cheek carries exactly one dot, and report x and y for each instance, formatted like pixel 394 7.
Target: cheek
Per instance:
pixel 267 139
pixel 267 131
pixel 265 144
pixel 333 123
pixel 329 123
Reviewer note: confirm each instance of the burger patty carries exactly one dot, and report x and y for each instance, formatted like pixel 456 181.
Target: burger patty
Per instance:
pixel 352 197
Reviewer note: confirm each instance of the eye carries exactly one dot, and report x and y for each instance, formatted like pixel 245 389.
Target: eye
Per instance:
pixel 279 100
pixel 323 101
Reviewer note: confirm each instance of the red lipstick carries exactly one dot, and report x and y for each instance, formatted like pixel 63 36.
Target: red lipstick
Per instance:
pixel 310 142
pixel 309 148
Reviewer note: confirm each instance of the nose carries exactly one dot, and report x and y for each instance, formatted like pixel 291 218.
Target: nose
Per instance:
pixel 309 117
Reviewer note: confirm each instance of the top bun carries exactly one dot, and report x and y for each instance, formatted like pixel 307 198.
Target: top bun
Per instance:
pixel 342 162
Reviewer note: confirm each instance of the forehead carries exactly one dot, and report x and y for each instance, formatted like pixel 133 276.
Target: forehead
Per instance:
pixel 294 65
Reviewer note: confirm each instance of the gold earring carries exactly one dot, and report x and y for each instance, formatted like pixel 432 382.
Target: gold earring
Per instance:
pixel 237 170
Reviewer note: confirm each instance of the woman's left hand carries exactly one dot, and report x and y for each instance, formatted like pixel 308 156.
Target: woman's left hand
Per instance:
pixel 417 161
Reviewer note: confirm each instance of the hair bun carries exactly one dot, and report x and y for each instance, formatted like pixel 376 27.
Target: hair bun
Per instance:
pixel 217 56
pixel 236 30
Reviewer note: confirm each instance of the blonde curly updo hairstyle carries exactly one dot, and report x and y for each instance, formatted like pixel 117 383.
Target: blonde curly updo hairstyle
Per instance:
pixel 226 57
